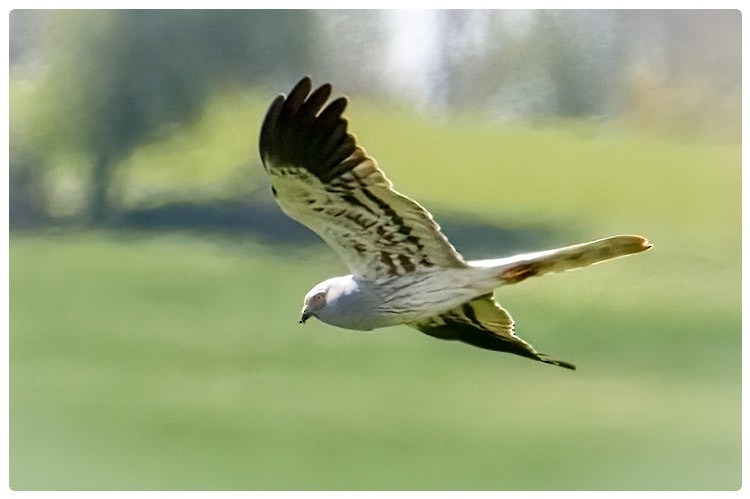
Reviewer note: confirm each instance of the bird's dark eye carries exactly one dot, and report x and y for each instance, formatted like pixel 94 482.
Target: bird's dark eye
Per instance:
pixel 318 299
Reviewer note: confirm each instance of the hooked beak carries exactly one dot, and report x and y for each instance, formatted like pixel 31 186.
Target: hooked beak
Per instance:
pixel 305 315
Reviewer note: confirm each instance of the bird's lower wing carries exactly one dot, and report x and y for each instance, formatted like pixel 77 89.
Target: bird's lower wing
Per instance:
pixel 485 324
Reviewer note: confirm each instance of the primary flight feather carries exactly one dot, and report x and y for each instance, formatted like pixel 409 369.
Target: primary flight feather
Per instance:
pixel 403 269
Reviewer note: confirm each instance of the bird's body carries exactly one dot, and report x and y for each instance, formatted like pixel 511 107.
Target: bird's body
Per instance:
pixel 360 304
pixel 404 270
pixel 403 301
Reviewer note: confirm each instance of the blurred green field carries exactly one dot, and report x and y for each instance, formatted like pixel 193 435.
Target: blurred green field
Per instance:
pixel 152 361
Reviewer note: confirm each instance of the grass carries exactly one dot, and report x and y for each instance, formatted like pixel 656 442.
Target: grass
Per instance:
pixel 148 361
pixel 175 363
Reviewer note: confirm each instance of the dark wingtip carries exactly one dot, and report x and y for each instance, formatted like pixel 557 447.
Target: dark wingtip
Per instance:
pixel 326 87
pixel 566 365
pixel 269 122
pixel 297 95
pixel 301 130
pixel 304 83
pixel 561 363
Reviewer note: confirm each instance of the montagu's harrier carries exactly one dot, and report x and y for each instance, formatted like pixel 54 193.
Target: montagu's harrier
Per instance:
pixel 404 270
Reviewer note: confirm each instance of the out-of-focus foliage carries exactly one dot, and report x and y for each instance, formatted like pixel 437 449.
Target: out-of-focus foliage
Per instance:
pixel 109 80
pixel 89 87
pixel 590 63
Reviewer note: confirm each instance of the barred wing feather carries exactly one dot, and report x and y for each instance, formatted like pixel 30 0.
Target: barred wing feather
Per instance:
pixel 324 180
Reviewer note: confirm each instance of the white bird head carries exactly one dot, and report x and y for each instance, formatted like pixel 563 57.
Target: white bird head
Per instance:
pixel 322 296
pixel 315 299
pixel 339 301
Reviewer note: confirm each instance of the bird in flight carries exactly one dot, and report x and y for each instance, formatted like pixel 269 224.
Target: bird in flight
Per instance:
pixel 403 269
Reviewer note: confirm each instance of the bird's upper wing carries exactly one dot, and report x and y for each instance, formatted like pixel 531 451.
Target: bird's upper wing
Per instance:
pixel 324 180
pixel 483 323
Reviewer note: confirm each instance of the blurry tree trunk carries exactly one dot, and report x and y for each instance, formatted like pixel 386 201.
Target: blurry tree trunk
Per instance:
pixel 447 88
pixel 99 203
pixel 27 204
pixel 461 55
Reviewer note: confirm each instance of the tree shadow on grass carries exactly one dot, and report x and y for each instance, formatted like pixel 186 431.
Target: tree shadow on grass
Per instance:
pixel 473 238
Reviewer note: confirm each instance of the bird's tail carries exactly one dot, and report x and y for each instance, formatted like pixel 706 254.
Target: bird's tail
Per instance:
pixel 517 268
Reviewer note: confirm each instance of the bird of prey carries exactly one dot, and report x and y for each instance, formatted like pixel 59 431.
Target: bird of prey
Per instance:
pixel 403 269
